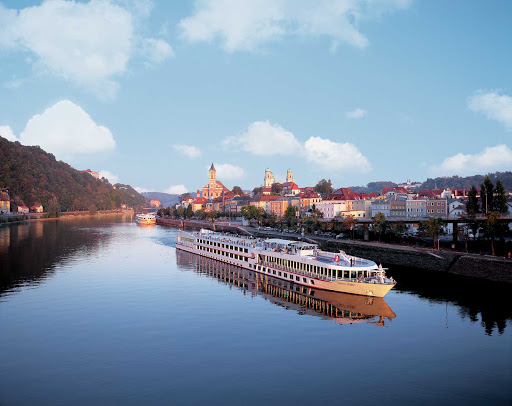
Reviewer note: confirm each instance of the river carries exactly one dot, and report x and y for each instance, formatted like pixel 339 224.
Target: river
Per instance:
pixel 102 311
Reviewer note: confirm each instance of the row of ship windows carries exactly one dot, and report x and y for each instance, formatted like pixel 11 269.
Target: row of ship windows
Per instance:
pixel 301 266
pixel 220 245
pixel 279 273
pixel 223 253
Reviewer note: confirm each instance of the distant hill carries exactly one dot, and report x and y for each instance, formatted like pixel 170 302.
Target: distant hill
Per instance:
pixel 166 199
pixel 372 187
pixel 456 182
pixel 33 175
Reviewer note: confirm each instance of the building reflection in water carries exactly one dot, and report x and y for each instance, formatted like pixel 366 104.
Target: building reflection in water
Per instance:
pixel 339 307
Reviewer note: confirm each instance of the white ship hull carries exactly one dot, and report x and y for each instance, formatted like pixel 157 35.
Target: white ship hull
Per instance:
pixel 249 260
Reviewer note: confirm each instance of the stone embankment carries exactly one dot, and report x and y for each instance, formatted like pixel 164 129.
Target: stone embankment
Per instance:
pixel 453 262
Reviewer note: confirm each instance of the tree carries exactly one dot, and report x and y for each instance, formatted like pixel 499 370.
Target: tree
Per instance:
pixel 277 188
pixel 500 198
pixel 184 196
pixel 433 228
pixel 380 224
pixel 487 195
pixel 257 191
pixel 290 215
pixel 180 211
pixel 237 190
pixel 398 228
pixel 463 234
pixel 492 227
pixel 212 214
pixel 252 212
pixel 323 186
pixel 53 208
pixel 472 203
pixel 349 223
pixel 189 212
pixel 93 209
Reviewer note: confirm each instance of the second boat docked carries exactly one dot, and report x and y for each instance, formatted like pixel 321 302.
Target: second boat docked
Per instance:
pixel 295 261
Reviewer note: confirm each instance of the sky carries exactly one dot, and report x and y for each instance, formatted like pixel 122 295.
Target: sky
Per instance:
pixel 150 93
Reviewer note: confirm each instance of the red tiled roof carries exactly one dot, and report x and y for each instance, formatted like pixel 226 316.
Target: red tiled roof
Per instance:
pixel 262 198
pixel 200 200
pixel 396 189
pixel 308 195
pixel 290 185
pixel 343 194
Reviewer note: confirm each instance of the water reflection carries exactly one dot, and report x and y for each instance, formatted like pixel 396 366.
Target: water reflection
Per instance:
pixel 478 300
pixel 339 307
pixel 30 251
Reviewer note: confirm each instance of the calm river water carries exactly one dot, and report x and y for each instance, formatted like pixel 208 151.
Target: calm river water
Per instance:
pixel 103 312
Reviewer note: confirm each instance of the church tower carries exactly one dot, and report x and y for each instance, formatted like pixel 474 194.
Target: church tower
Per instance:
pixel 289 176
pixel 269 178
pixel 213 174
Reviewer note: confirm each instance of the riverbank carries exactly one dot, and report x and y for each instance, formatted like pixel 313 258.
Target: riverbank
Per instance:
pixel 453 262
pixel 33 217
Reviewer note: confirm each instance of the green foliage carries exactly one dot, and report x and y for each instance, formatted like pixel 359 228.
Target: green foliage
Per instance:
pixel 180 212
pixel 290 215
pixel 456 182
pixel 500 198
pixel 93 209
pixel 257 191
pixel 323 186
pixel 432 228
pixel 252 212
pixel 487 195
pixel 189 213
pixel 33 175
pixel 472 203
pixel 277 188
pixel 380 224
pixel 237 190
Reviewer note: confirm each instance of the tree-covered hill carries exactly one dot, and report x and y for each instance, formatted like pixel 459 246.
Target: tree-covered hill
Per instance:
pixel 33 175
pixel 457 182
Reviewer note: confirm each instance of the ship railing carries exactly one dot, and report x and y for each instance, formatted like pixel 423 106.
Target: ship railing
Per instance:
pixel 384 281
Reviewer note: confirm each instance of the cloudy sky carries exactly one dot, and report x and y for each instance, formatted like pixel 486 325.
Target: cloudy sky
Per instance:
pixel 150 93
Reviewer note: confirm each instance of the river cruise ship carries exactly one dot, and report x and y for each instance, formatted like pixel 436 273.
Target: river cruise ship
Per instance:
pixel 145 219
pixel 295 261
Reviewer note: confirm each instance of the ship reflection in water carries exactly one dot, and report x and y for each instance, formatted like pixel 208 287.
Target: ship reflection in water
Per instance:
pixel 342 308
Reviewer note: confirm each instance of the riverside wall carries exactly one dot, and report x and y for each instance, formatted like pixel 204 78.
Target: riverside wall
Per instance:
pixel 452 262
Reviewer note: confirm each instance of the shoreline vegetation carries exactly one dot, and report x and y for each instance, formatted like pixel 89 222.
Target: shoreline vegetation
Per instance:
pixel 6 220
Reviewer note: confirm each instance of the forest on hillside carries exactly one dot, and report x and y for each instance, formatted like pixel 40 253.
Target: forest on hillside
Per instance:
pixel 457 182
pixel 33 175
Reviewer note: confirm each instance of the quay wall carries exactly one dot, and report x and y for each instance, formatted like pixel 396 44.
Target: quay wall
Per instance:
pixel 453 262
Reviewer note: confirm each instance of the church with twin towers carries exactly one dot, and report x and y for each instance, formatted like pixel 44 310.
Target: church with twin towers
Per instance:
pixel 269 179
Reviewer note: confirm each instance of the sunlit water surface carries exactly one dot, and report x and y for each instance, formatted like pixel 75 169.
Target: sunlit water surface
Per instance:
pixel 103 312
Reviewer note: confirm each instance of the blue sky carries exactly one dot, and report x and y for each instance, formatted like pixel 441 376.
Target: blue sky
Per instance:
pixel 150 93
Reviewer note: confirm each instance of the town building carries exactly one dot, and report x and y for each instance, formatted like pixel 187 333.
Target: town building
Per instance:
pixel 279 206
pixel 289 176
pixel 94 174
pixel 397 207
pixel 5 202
pixel 23 209
pixel 36 208
pixel 436 208
pixel 155 203
pixel 415 208
pixel 269 179
pixel 263 202
pixel 290 188
pixel 214 188
pixel 308 200
pixel 382 206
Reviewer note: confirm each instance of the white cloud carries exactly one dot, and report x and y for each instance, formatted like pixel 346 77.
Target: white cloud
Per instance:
pixel 89 44
pixel 188 150
pixel 113 179
pixel 6 132
pixel 494 106
pixel 357 113
pixel 489 160
pixel 176 189
pixel 66 130
pixel 263 138
pixel 246 24
pixel 228 171
pixel 156 50
pixel 332 155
